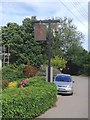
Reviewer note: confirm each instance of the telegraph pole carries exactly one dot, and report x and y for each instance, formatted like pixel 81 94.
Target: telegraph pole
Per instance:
pixel 49 41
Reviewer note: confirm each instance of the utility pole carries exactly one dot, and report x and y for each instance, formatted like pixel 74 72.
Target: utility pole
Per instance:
pixel 49 41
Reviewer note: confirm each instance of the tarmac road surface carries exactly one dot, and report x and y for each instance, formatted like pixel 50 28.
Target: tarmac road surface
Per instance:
pixel 71 106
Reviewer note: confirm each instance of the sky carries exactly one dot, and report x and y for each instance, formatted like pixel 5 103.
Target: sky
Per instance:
pixel 17 10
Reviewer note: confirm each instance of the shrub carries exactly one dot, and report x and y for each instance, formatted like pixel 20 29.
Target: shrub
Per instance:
pixel 37 79
pixel 4 83
pixel 58 62
pixel 86 69
pixel 12 72
pixel 23 83
pixel 30 71
pixel 28 102
pixel 12 84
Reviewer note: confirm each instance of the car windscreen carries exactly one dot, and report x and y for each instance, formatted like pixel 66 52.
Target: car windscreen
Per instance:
pixel 63 79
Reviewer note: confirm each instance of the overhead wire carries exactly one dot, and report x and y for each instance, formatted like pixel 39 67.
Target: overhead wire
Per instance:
pixel 79 8
pixel 72 13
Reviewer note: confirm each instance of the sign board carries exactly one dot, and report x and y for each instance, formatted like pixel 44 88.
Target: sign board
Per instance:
pixel 40 32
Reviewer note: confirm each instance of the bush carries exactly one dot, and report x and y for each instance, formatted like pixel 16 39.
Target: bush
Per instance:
pixel 4 83
pixel 58 62
pixel 28 102
pixel 12 72
pixel 12 84
pixel 23 83
pixel 86 69
pixel 30 71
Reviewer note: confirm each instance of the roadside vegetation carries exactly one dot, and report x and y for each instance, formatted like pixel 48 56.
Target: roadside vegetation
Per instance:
pixel 27 97
pixel 25 92
pixel 66 45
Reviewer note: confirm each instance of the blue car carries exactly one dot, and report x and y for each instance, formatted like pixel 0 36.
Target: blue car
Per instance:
pixel 64 83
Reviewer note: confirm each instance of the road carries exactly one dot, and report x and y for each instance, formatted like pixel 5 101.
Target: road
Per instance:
pixel 75 106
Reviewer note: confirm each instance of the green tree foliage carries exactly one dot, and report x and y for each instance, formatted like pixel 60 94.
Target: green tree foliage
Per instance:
pixel 58 62
pixel 80 57
pixel 75 53
pixel 20 40
pixel 13 72
pixel 66 36
pixel 85 63
pixel 66 43
pixel 12 37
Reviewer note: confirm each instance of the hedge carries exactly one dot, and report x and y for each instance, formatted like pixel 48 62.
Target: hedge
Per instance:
pixel 12 72
pixel 28 102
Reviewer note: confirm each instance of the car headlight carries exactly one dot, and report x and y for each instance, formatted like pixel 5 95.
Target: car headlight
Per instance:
pixel 69 86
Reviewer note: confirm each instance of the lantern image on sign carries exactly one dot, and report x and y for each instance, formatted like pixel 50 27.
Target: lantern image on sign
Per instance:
pixel 40 32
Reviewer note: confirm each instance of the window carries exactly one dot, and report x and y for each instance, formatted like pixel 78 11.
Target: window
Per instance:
pixel 63 79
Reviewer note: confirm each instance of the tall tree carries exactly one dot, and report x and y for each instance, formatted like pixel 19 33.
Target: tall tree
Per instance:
pixel 66 36
pixel 23 47
pixel 11 38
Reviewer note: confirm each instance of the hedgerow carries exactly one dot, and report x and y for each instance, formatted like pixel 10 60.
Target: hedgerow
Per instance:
pixel 12 72
pixel 28 102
